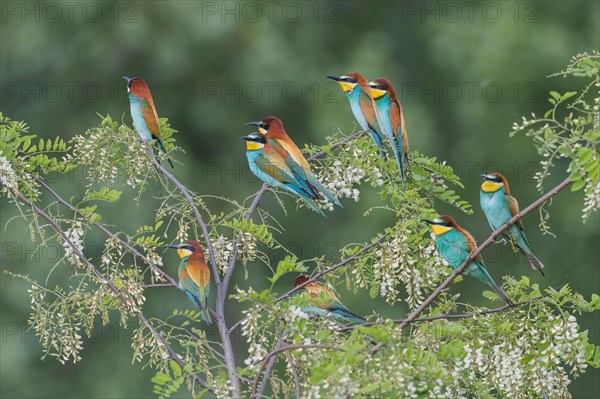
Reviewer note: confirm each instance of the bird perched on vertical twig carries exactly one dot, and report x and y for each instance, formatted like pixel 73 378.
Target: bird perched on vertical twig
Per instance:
pixel 278 139
pixel 325 303
pixel 194 275
pixel 391 117
pixel 268 165
pixel 143 112
pixel 454 244
pixel 499 207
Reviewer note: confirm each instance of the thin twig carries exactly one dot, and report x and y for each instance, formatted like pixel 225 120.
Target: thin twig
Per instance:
pixel 183 190
pixel 259 393
pixel 263 361
pixel 336 145
pixel 225 286
pixel 449 316
pixel 491 239
pixel 294 370
pixel 110 234
pixel 103 280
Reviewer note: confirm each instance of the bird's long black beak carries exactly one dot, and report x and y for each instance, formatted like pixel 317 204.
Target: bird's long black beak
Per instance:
pixel 427 221
pixel 485 177
pixel 172 246
pixel 336 78
pixel 127 78
pixel 247 138
pixel 252 123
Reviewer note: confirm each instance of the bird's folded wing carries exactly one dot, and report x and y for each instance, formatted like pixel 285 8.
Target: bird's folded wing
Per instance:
pixel 398 124
pixel 150 117
pixel 513 206
pixel 368 109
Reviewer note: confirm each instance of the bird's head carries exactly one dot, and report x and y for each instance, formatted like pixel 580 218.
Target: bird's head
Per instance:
pixel 349 82
pixel 301 279
pixel 380 87
pixel 188 248
pixel 441 224
pixel 270 122
pixel 255 141
pixel 136 86
pixel 493 182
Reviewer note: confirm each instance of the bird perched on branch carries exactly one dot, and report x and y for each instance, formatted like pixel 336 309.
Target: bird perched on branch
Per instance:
pixel 324 303
pixel 143 112
pixel 194 275
pixel 279 140
pixel 454 244
pixel 499 207
pixel 270 167
pixel 363 106
pixel 391 117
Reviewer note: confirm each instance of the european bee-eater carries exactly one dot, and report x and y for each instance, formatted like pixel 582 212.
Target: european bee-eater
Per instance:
pixel 278 139
pixel 454 244
pixel 392 121
pixel 143 112
pixel 266 163
pixel 325 303
pixel 499 206
pixel 363 106
pixel 194 275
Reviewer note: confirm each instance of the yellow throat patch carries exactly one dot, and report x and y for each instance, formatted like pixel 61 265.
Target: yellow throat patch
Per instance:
pixel 376 93
pixel 183 253
pixel 490 186
pixel 439 230
pixel 347 86
pixel 253 145
pixel 263 131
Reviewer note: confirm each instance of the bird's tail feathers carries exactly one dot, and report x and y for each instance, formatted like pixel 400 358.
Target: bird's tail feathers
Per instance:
pixel 533 261
pixel 307 197
pixel 206 316
pixel 314 181
pixel 162 148
pixel 204 309
pixel 348 316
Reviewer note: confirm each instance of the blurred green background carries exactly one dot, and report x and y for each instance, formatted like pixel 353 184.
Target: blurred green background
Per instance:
pixel 465 71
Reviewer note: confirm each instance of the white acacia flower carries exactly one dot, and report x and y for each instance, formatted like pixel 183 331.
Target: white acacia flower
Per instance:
pixel 8 178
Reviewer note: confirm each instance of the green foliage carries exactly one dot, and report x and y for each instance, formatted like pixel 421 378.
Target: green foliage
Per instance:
pixel 571 129
pixel 453 350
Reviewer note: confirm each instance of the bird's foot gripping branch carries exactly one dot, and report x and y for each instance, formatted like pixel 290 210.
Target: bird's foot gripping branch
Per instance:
pixel 291 333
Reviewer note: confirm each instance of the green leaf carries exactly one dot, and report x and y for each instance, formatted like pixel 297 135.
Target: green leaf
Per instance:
pixel 578 185
pixel 161 378
pixel 374 291
pixel 567 95
pixel 176 368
